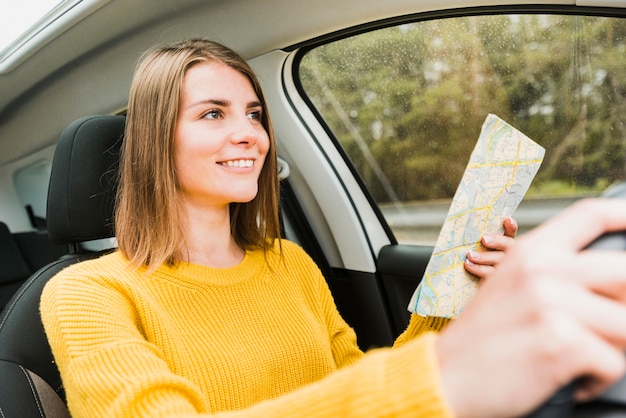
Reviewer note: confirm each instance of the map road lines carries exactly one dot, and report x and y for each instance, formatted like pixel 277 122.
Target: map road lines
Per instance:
pixel 500 170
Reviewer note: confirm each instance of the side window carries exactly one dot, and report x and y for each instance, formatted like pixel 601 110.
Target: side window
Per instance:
pixel 31 183
pixel 406 103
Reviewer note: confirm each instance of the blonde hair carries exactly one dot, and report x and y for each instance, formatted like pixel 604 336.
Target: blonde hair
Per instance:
pixel 146 215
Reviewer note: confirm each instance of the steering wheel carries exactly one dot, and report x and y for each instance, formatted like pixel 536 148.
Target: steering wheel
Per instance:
pixel 613 402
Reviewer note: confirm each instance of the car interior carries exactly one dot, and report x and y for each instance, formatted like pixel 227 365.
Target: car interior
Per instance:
pixel 367 168
pixel 83 183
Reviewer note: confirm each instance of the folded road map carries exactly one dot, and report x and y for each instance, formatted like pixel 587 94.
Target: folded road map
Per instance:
pixel 500 170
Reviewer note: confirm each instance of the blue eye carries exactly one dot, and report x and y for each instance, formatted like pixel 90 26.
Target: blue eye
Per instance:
pixel 212 114
pixel 256 115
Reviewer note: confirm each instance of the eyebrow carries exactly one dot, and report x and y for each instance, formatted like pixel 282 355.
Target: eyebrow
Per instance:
pixel 222 103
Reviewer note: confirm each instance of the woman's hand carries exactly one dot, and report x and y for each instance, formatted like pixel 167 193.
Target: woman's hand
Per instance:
pixel 483 263
pixel 550 313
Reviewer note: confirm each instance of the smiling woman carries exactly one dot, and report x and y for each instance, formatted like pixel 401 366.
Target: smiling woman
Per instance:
pixel 374 108
pixel 220 146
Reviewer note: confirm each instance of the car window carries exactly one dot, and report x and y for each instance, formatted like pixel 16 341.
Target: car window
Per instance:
pixel 31 185
pixel 406 104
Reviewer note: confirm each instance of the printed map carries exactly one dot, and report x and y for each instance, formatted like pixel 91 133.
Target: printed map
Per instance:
pixel 501 168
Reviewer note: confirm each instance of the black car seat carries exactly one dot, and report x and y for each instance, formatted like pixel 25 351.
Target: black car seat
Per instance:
pixel 21 254
pixel 80 209
pixel 14 268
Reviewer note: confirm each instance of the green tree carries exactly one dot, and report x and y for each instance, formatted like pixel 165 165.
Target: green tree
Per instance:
pixel 407 102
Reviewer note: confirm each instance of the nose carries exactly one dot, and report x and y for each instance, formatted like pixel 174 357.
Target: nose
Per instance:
pixel 245 131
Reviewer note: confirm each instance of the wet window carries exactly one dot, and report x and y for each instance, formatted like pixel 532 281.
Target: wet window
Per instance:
pixel 406 104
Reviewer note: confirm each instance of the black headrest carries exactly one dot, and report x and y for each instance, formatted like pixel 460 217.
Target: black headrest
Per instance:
pixel 83 181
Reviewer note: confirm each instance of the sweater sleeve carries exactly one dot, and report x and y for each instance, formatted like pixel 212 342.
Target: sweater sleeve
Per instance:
pixel 419 325
pixel 386 382
pixel 110 370
pixel 342 336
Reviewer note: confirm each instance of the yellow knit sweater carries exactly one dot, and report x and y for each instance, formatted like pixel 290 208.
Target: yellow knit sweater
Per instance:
pixel 262 339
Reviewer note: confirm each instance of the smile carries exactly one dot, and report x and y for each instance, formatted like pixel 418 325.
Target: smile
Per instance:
pixel 238 163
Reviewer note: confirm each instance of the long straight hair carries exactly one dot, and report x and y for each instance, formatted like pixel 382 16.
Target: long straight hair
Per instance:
pixel 147 223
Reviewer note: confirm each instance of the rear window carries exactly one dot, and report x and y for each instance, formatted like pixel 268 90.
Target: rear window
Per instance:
pixel 406 104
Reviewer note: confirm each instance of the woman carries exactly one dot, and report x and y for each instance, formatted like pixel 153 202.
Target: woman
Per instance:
pixel 203 310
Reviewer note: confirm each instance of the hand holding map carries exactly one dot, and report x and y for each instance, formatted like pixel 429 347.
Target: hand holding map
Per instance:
pixel 500 170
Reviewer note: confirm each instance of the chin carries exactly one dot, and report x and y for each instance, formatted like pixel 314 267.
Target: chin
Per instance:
pixel 245 197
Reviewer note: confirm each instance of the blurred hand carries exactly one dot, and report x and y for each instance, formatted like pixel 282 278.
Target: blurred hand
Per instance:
pixel 550 312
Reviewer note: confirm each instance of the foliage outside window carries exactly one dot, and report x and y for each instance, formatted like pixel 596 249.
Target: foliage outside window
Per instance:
pixel 407 102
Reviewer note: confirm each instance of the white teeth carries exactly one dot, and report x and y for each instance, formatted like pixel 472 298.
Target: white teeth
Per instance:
pixel 239 163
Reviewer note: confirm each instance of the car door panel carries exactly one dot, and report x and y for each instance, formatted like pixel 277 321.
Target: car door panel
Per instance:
pixel 401 268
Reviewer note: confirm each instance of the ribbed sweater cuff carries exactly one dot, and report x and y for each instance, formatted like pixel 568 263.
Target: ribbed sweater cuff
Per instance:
pixel 420 325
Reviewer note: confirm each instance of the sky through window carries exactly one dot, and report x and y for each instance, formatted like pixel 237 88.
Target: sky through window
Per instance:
pixel 20 16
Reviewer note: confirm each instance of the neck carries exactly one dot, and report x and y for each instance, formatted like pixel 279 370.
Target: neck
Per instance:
pixel 208 237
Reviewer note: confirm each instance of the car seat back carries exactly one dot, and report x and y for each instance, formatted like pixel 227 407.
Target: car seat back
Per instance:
pixel 81 197
pixel 14 269
pixel 21 254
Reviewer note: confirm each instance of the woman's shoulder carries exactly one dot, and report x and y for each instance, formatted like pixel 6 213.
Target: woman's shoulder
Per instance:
pixel 291 256
pixel 108 266
pixel 110 260
pixel 92 290
pixel 290 250
pixel 287 245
